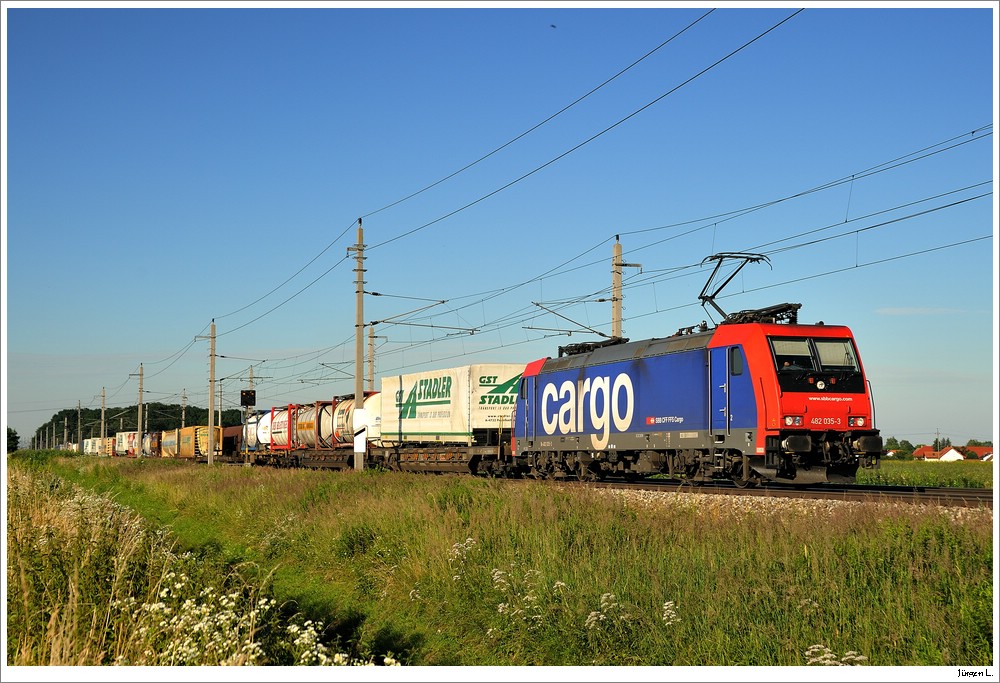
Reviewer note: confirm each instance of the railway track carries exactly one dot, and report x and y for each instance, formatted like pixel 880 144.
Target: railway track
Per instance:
pixel 917 495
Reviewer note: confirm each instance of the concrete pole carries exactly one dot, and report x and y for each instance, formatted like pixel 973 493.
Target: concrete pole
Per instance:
pixel 616 291
pixel 104 428
pixel 79 431
pixel 371 358
pixel 138 437
pixel 359 348
pixel 211 396
pixel 246 421
pixel 616 288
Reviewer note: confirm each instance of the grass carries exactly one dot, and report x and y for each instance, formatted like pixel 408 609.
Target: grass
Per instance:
pixel 462 571
pixel 966 474
pixel 91 583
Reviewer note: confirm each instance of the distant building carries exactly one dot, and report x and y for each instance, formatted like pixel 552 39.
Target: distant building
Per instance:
pixel 981 452
pixel 949 454
pixel 952 453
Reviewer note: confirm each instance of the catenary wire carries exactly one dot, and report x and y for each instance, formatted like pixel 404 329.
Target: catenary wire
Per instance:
pixel 588 140
pixel 474 163
pixel 542 123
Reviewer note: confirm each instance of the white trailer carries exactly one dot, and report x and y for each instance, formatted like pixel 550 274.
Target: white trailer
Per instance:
pixel 455 406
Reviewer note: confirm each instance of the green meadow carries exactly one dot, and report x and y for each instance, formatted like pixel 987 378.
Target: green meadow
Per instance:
pixel 963 474
pixel 158 562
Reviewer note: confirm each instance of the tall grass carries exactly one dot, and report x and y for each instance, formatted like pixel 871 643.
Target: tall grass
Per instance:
pixel 89 583
pixel 462 571
pixel 966 474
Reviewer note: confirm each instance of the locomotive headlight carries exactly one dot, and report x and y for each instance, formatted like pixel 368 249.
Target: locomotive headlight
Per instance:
pixel 793 420
pixel 821 385
pixel 855 422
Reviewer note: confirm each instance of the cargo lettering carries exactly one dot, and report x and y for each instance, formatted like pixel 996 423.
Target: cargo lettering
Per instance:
pixel 565 409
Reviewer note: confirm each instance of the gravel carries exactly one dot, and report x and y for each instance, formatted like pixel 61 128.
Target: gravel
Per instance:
pixel 714 506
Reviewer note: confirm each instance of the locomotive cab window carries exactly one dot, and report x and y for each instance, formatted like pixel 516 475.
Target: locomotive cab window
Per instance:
pixel 792 354
pixel 817 365
pixel 837 355
pixel 735 361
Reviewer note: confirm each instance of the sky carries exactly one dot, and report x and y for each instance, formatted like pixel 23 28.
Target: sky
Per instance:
pixel 165 167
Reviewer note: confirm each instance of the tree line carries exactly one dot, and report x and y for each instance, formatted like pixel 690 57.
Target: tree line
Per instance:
pixel 160 417
pixel 156 417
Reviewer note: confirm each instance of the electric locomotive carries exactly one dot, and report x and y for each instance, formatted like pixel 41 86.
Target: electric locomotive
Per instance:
pixel 757 399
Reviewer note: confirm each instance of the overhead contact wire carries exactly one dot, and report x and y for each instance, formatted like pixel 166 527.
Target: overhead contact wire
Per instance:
pixel 542 123
pixel 588 140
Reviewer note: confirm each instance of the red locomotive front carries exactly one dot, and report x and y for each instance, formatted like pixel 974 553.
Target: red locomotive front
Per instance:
pixel 816 417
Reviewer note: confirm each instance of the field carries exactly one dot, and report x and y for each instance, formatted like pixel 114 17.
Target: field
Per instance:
pixel 151 562
pixel 965 474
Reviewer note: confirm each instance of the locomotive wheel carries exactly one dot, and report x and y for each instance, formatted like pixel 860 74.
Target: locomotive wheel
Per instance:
pixel 541 468
pixel 736 475
pixel 584 473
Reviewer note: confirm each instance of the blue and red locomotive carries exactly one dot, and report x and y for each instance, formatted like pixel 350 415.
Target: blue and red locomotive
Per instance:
pixel 759 398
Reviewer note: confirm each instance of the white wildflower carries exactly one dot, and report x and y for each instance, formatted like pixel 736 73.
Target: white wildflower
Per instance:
pixel 670 613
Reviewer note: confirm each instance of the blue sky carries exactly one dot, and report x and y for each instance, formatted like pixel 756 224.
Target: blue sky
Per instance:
pixel 168 166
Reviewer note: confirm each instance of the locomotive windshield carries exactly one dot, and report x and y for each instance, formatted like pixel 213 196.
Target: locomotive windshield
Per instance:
pixel 817 365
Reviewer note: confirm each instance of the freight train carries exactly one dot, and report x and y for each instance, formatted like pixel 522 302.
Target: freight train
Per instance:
pixel 185 442
pixel 450 420
pixel 759 398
